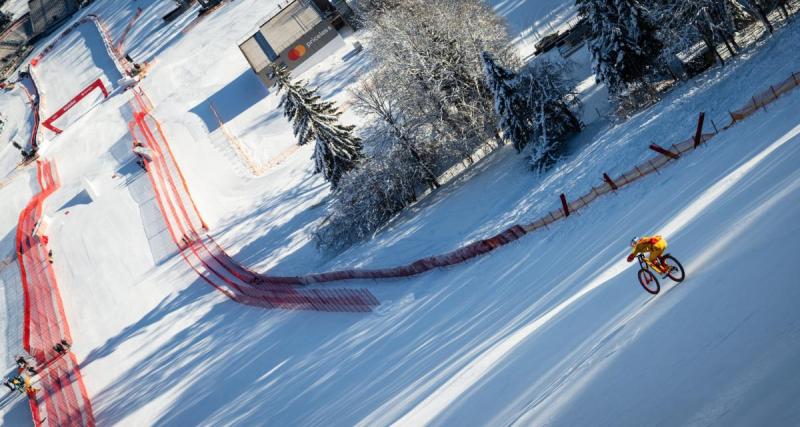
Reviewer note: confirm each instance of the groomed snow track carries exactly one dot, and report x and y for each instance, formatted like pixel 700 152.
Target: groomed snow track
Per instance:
pixel 62 399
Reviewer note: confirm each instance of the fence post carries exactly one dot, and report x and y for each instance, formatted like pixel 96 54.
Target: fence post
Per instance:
pixel 699 133
pixel 610 181
pixel 665 152
pixel 564 204
pixel 716 131
pixel 653 166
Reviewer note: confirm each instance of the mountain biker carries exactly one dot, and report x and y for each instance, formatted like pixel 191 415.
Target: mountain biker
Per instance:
pixel 655 245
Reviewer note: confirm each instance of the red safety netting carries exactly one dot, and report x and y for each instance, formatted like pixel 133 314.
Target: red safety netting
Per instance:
pixel 201 252
pixel 121 41
pixel 61 398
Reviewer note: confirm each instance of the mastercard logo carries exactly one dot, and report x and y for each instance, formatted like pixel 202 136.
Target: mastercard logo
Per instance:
pixel 297 52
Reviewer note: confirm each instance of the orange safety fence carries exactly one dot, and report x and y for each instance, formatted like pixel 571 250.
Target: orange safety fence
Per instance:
pixel 121 41
pixel 761 100
pixel 513 233
pixel 255 168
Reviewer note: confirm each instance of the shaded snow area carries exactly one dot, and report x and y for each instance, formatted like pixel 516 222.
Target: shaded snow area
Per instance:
pixel 530 20
pixel 552 329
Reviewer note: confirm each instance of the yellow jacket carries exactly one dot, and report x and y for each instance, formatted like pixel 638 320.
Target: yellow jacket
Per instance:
pixel 649 244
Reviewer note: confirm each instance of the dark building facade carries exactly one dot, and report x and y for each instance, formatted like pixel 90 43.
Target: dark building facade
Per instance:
pixel 47 13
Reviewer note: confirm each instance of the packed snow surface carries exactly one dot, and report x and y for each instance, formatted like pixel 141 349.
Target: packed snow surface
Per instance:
pixel 553 329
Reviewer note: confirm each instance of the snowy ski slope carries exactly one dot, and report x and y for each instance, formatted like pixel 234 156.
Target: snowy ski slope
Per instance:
pixel 553 329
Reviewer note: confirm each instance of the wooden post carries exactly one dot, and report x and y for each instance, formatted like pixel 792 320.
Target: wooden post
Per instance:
pixel 699 132
pixel 610 181
pixel 564 204
pixel 665 152
pixel 716 131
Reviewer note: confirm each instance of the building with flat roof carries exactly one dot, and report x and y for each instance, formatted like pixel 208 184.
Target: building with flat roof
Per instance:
pixel 292 35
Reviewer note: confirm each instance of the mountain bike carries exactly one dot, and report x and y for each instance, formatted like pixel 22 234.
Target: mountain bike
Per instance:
pixel 648 279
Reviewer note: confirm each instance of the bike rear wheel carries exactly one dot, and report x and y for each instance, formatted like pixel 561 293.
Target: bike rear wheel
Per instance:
pixel 649 281
pixel 676 272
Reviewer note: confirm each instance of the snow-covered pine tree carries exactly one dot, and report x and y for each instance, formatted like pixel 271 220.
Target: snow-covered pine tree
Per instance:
pixel 760 9
pixel 551 99
pixel 369 197
pixel 509 104
pixel 337 150
pixel 623 42
pixel 682 24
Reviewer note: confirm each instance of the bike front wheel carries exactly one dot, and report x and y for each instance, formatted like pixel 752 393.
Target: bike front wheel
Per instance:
pixel 676 272
pixel 649 281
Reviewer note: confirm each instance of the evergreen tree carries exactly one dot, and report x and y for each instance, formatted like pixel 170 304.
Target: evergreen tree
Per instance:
pixel 509 105
pixel 760 9
pixel 337 149
pixel 550 98
pixel 623 41
pixel 682 24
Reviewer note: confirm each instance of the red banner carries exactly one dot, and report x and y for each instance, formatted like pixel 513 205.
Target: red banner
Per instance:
pixel 97 84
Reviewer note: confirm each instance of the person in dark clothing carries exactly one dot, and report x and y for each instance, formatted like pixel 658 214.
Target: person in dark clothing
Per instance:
pixel 24 365
pixel 62 347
